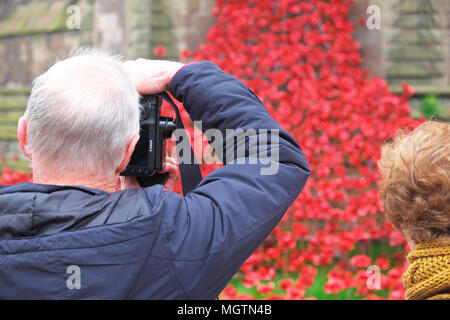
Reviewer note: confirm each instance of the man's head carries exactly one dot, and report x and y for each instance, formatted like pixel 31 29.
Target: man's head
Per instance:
pixel 416 182
pixel 82 117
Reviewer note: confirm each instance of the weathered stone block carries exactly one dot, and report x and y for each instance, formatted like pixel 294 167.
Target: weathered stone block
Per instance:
pixel 413 70
pixel 416 53
pixel 416 37
pixel 416 6
pixel 11 117
pixel 417 21
pixel 12 103
pixel 39 17
pixel 8 132
pixel 141 21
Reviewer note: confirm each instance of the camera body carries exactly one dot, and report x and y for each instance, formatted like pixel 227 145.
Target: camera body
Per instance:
pixel 150 151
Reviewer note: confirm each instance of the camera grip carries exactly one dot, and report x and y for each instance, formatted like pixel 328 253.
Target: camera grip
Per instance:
pixel 157 178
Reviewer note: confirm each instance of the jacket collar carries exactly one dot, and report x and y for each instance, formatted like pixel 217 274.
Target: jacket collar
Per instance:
pixel 44 188
pixel 34 209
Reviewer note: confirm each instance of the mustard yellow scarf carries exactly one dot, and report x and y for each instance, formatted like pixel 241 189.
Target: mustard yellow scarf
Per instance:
pixel 428 274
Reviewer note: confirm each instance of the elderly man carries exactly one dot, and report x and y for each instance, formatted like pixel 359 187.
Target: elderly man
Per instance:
pixel 70 235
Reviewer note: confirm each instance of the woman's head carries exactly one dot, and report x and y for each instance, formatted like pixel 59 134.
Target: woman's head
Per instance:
pixel 416 182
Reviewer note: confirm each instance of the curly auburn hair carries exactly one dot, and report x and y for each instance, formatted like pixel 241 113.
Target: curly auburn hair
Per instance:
pixel 416 182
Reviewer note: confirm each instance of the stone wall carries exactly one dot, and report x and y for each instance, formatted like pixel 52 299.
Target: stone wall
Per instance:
pixel 412 46
pixel 34 33
pixel 31 37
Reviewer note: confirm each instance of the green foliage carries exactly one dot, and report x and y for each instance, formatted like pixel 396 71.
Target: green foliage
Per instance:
pixel 430 106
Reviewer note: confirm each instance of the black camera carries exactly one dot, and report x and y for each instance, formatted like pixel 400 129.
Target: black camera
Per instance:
pixel 150 151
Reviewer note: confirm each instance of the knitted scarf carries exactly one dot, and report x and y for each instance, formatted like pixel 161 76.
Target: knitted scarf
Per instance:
pixel 428 274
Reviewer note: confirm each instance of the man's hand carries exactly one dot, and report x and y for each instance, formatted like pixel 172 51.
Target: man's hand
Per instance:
pixel 151 76
pixel 169 166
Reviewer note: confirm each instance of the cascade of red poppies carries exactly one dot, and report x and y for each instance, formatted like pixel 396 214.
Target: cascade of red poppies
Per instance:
pixel 300 58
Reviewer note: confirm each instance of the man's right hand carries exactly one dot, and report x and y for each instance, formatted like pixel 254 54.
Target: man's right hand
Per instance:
pixel 151 76
pixel 169 166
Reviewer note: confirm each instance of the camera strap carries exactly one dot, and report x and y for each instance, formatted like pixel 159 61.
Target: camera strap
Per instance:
pixel 190 172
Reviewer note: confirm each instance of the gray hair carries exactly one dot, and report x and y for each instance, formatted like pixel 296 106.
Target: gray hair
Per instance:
pixel 82 114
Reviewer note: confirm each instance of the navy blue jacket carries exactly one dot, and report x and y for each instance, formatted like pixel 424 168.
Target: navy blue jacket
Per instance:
pixel 73 242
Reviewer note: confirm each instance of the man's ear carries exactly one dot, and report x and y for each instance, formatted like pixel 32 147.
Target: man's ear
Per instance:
pixel 128 153
pixel 22 135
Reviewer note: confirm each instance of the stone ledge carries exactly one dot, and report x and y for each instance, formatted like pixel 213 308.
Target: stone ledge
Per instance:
pixel 13 103
pixel 416 53
pixel 34 18
pixel 11 117
pixel 14 91
pixel 442 92
pixel 8 133
pixel 417 21
pixel 416 6
pixel 416 37
pixel 423 90
pixel 413 70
